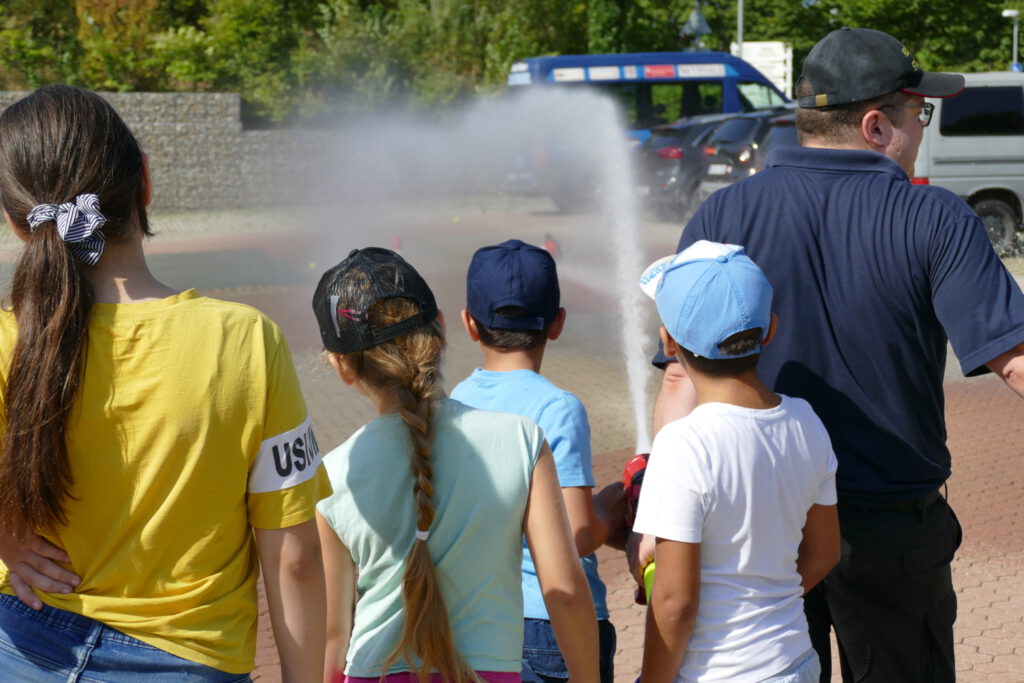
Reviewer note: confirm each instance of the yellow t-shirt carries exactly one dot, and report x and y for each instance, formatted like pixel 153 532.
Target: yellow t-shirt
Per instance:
pixel 189 430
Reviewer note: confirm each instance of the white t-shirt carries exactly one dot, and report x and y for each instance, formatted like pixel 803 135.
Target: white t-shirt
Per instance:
pixel 740 482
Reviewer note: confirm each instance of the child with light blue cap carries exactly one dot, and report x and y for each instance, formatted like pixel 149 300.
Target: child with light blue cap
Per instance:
pixel 739 494
pixel 708 293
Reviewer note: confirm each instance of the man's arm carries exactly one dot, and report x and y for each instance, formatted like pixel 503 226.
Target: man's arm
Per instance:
pixel 1010 366
pixel 293 574
pixel 673 610
pixel 819 548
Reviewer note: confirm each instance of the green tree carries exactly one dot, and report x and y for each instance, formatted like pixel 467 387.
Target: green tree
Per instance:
pixel 38 43
pixel 114 38
pixel 300 59
pixel 943 34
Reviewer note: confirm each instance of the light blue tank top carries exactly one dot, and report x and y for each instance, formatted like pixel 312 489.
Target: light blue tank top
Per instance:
pixel 483 463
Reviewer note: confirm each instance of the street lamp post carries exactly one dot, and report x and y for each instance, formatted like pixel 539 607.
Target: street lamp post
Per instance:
pixel 1015 15
pixel 739 28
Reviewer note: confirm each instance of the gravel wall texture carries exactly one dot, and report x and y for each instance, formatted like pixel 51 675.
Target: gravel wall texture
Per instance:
pixel 201 158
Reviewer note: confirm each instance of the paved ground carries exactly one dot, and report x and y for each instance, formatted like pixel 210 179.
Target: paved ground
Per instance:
pixel 274 271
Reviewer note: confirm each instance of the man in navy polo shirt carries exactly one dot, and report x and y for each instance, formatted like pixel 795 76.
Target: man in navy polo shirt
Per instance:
pixel 872 275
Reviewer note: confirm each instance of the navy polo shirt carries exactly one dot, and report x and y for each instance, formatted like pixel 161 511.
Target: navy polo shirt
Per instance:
pixel 870 273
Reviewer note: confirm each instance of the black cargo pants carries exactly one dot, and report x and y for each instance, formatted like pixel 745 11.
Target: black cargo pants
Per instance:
pixel 890 598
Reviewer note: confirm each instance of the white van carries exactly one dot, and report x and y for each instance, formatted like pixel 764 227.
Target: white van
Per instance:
pixel 974 146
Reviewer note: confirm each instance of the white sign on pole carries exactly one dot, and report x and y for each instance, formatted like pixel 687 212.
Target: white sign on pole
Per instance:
pixel 773 58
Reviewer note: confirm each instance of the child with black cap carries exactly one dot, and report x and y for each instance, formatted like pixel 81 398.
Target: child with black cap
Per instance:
pixel 512 311
pixel 740 494
pixel 431 501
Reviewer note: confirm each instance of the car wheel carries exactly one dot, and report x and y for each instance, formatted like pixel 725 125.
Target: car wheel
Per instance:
pixel 1001 223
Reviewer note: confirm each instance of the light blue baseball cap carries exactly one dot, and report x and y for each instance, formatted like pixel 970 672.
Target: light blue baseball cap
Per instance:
pixel 707 293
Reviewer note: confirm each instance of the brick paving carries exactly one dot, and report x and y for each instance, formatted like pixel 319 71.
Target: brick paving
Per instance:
pixel 986 430
pixel 986 433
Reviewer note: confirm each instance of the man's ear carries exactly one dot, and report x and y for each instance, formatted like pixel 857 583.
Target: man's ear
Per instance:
pixel 671 347
pixel 470 325
pixel 556 326
pixel 772 326
pixel 876 130
pixel 343 367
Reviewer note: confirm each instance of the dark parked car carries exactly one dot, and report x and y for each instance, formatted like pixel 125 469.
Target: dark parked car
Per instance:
pixel 782 131
pixel 670 164
pixel 730 151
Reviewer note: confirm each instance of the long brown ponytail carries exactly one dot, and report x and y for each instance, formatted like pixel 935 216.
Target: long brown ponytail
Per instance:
pixel 409 369
pixel 56 144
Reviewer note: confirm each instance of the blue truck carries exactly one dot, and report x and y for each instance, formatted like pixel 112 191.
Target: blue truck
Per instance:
pixel 650 88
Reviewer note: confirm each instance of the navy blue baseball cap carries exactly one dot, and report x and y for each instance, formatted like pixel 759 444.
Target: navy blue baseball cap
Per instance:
pixel 513 273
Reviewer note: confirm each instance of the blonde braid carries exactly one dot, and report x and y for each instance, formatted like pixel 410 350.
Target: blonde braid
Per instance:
pixel 409 368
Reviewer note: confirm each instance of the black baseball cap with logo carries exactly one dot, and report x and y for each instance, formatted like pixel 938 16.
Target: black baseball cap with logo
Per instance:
pixel 346 292
pixel 857 64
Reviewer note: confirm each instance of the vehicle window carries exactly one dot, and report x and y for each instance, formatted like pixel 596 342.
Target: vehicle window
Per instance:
pixel 733 130
pixel 984 111
pixel 758 96
pixel 710 98
pixel 663 140
pixel 645 105
pixel 704 135
pixel 666 102
pixel 695 132
pixel 671 101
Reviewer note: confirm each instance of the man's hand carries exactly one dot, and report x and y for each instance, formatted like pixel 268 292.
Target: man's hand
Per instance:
pixel 32 563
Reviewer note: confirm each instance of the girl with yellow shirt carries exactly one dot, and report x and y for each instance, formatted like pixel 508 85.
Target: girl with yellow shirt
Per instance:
pixel 156 451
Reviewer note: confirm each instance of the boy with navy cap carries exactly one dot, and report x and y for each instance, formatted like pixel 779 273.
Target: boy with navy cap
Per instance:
pixel 740 494
pixel 512 311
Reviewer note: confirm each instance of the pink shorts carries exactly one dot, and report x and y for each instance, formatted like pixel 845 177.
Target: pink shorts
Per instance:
pixel 406 677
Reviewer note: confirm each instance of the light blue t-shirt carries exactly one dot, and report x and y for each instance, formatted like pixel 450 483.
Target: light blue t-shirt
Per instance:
pixel 564 420
pixel 483 464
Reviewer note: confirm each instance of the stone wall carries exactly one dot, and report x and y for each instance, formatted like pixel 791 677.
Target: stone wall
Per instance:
pixel 201 158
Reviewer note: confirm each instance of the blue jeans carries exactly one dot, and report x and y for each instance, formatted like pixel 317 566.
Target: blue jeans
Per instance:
pixel 53 645
pixel 542 660
pixel 806 669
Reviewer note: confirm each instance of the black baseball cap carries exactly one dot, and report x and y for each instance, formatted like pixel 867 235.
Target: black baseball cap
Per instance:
pixel 346 292
pixel 857 64
pixel 513 273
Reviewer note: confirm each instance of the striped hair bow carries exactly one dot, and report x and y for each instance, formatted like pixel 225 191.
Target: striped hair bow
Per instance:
pixel 78 224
